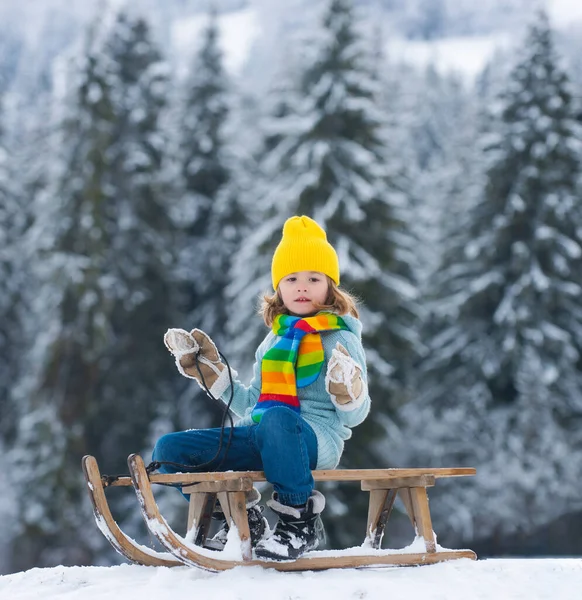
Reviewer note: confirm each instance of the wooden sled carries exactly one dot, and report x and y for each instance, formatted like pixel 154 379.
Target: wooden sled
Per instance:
pixel 230 487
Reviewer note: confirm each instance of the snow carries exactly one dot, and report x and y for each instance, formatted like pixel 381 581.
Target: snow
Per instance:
pixel 515 579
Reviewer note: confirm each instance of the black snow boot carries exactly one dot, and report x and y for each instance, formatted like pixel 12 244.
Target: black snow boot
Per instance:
pixel 298 530
pixel 258 525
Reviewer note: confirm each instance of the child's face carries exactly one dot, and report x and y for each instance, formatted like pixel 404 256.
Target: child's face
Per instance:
pixel 300 290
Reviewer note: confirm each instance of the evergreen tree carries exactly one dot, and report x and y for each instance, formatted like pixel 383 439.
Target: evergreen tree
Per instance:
pixel 327 159
pixel 58 381
pixel 144 302
pixel 97 366
pixel 22 176
pixel 503 374
pixel 210 175
pixel 438 124
pixel 267 204
pixel 8 236
pixel 208 240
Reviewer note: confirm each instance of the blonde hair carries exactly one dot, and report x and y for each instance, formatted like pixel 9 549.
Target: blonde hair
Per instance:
pixel 338 301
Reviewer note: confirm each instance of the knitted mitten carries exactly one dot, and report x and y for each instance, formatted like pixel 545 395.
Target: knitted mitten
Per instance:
pixel 343 380
pixel 192 348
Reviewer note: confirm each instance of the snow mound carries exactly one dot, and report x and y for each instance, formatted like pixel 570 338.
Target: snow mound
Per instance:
pixel 507 579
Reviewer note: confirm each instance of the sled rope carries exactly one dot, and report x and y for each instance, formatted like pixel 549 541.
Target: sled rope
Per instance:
pixel 156 464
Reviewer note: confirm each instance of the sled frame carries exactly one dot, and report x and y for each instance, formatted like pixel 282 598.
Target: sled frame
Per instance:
pixel 230 487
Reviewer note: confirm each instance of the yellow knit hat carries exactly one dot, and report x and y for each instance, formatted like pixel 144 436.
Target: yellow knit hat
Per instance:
pixel 304 247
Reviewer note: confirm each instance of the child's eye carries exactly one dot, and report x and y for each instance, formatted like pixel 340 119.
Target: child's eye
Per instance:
pixel 315 279
pixel 291 279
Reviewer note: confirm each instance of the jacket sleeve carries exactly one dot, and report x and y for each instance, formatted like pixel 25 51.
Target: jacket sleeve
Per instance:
pixel 244 397
pixel 354 412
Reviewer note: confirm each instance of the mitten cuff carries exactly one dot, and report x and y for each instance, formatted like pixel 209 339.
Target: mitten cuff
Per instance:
pixel 221 384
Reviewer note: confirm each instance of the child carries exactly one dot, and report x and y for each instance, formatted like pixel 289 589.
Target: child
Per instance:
pixel 308 389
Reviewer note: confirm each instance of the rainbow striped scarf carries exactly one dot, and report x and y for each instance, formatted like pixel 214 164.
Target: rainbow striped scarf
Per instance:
pixel 294 361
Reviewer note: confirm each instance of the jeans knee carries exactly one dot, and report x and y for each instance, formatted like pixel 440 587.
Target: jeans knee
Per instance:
pixel 165 448
pixel 280 418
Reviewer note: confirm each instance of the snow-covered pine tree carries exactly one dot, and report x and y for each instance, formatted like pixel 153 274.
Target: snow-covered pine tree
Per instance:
pixel 144 245
pixel 360 195
pixel 209 237
pixel 436 124
pixel 23 175
pixel 206 212
pixel 327 159
pixel 101 248
pixel 502 378
pixel 267 203
pixel 68 325
pixel 9 233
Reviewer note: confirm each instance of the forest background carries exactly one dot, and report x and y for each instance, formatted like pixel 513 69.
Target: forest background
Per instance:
pixel 149 155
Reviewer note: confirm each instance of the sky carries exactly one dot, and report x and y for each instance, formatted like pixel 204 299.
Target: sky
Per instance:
pixel 564 12
pixel 243 28
pixel 465 55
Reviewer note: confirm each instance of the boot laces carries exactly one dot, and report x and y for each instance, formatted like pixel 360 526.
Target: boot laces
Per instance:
pixel 286 530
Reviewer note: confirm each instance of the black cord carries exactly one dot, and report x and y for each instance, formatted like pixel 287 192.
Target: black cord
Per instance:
pixel 155 465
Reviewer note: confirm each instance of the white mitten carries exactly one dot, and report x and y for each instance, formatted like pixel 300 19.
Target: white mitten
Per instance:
pixel 197 358
pixel 343 379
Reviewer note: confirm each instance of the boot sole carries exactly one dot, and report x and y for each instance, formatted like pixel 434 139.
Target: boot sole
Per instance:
pixel 273 556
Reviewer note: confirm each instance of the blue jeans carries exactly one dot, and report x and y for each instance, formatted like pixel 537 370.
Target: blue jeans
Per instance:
pixel 282 445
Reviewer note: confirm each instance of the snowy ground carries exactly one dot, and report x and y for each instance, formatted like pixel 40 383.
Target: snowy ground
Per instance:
pixel 499 579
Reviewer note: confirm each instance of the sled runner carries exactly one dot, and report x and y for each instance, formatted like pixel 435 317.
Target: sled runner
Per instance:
pixel 230 487
pixel 125 545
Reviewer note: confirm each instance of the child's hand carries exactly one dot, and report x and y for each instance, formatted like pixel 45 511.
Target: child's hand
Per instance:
pixel 343 380
pixel 188 348
pixel 180 343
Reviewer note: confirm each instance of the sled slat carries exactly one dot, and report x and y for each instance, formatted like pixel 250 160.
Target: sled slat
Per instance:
pixel 379 510
pixel 243 484
pixel 398 482
pixel 200 514
pixel 406 498
pixel 321 475
pixel 422 517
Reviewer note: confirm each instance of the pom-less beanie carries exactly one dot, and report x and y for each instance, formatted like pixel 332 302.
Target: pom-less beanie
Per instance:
pixel 304 247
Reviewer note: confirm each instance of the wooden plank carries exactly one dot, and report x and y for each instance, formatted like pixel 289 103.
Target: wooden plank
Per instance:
pixel 200 515
pixel 422 517
pixel 375 508
pixel 224 499
pixel 398 482
pixel 406 498
pixel 322 475
pixel 243 484
pixel 379 510
pixel 238 512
